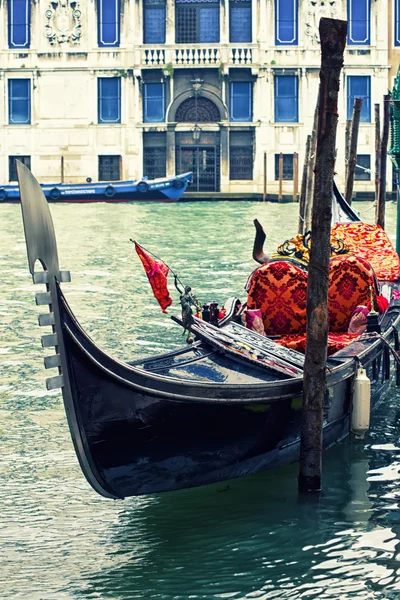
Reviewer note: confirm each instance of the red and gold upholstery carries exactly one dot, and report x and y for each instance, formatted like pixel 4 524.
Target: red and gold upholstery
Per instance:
pixel 336 341
pixel 279 289
pixel 371 243
pixel 351 279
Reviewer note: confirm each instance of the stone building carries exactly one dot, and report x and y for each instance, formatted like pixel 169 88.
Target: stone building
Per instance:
pixel 122 88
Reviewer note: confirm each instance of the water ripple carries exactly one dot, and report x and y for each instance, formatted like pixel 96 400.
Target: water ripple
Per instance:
pixel 252 538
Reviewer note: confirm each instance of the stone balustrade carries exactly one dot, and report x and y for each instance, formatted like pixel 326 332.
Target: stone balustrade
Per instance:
pixel 201 55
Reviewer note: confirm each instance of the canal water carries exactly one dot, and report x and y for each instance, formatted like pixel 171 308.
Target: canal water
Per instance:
pixel 250 538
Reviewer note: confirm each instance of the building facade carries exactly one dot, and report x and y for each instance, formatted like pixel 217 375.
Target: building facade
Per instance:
pixel 117 89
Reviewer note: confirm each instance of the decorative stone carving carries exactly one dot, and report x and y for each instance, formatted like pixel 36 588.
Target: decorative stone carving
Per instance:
pixel 63 22
pixel 315 10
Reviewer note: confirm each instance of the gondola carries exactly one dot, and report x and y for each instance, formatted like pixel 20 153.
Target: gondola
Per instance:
pixel 224 406
pixel 165 189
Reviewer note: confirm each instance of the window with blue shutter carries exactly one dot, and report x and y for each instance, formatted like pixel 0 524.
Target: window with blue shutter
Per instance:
pixel 397 22
pixel 240 21
pixel 358 15
pixel 154 102
pixel 286 22
pixel 241 101
pixel 154 21
pixel 359 86
pixel 286 98
pixel 109 22
pixel 196 22
pixel 19 101
pixel 19 23
pixel 109 99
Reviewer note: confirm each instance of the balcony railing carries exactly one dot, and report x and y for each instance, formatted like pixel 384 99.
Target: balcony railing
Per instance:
pixel 215 55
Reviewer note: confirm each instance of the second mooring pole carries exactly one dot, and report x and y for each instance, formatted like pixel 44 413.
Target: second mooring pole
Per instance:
pixel 332 33
pixel 352 160
pixel 380 208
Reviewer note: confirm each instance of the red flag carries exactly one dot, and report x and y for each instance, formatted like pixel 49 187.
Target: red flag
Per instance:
pixel 157 273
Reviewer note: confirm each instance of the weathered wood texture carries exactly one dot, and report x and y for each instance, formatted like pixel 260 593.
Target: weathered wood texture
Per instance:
pixel 333 34
pixel 351 164
pixel 265 177
pixel 304 186
pixel 295 176
pixel 310 174
pixel 377 153
pixel 380 209
pixel 347 148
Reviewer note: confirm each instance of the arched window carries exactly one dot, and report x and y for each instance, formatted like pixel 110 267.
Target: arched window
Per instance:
pixel 197 110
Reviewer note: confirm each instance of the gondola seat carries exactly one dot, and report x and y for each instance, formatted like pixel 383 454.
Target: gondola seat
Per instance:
pixel 371 243
pixel 279 290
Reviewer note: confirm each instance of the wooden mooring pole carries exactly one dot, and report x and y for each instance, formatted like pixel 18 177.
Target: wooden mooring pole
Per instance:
pixel 347 149
pixel 62 169
pixel 352 161
pixel 380 208
pixel 304 186
pixel 377 155
pixel 280 176
pixel 310 174
pixel 332 33
pixel 265 177
pixel 295 176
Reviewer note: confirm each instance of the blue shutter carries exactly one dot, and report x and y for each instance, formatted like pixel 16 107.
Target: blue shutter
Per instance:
pixel 359 22
pixel 241 101
pixel 359 86
pixel 109 98
pixel 209 24
pixel 240 23
pixel 18 23
pixel 286 98
pixel 109 22
pixel 19 101
pixel 397 22
pixel 154 102
pixel 286 22
pixel 154 25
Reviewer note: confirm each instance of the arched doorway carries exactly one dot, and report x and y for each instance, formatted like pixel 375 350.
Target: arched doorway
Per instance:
pixel 198 150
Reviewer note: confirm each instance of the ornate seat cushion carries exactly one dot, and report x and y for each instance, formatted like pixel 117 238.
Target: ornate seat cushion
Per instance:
pixel 279 289
pixel 336 341
pixel 371 243
pixel 351 279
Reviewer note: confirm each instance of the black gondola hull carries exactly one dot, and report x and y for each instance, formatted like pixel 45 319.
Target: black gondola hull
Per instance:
pixel 145 441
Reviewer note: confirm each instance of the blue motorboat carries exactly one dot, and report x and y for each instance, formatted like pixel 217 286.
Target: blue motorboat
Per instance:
pixel 165 189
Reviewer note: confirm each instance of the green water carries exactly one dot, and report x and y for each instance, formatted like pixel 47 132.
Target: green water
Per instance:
pixel 250 538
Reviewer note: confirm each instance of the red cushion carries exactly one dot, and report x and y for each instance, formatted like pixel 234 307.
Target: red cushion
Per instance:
pixel 371 243
pixel 279 289
pixel 336 341
pixel 350 281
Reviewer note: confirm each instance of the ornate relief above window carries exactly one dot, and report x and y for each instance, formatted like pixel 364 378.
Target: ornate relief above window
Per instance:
pixel 63 22
pixel 315 10
pixel 197 110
